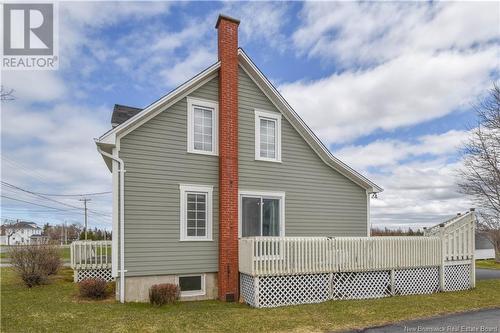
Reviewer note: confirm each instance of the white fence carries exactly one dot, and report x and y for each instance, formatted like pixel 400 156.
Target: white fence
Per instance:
pixel 279 271
pixel 260 256
pixel 91 259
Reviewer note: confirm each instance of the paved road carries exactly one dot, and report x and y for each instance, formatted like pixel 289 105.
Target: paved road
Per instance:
pixel 486 274
pixel 475 321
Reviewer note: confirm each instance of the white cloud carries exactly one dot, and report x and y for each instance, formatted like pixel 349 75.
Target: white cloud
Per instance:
pixel 187 68
pixel 405 91
pixel 264 27
pixel 50 150
pixel 383 153
pixel 419 178
pixel 418 194
pixel 373 32
pixel 39 86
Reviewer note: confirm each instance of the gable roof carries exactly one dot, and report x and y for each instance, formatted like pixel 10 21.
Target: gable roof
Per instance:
pixel 122 113
pixel 21 225
pixel 110 137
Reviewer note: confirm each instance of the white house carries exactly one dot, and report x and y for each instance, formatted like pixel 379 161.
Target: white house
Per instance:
pixel 19 233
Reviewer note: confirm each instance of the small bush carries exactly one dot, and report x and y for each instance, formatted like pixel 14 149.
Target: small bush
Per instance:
pixel 111 288
pixel 34 263
pixel 93 288
pixel 165 293
pixel 52 261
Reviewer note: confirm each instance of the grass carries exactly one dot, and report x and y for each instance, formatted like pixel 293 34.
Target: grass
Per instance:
pixel 56 308
pixel 65 254
pixel 487 263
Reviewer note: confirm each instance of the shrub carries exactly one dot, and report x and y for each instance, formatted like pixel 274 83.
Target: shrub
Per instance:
pixel 34 263
pixel 52 261
pixel 165 293
pixel 93 288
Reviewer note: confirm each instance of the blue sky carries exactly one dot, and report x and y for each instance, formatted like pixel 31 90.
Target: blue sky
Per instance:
pixel 387 86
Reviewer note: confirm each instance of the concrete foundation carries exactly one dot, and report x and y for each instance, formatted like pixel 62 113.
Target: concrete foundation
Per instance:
pixel 137 287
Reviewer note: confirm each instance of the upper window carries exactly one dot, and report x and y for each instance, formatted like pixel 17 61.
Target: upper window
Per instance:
pixel 196 212
pixel 267 136
pixel 202 126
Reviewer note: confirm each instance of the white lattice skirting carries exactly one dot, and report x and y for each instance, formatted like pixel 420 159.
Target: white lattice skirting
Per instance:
pixel 273 291
pixel 424 280
pixel 82 274
pixel 457 277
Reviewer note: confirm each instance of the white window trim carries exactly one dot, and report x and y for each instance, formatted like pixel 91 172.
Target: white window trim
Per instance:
pixel 265 194
pixel 184 189
pixel 201 292
pixel 192 102
pixel 277 118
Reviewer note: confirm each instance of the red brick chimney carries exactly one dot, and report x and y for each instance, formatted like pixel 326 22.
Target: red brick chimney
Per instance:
pixel 227 41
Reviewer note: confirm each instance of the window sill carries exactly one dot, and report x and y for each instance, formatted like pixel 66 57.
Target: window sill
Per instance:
pixel 196 240
pixel 267 160
pixel 201 152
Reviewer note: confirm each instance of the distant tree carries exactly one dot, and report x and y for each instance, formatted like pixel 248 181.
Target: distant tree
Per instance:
pixel 480 175
pixel 395 232
pixel 6 94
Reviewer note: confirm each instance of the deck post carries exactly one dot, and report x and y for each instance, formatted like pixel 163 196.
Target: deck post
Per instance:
pixel 473 247
pixel 443 254
pixel 392 282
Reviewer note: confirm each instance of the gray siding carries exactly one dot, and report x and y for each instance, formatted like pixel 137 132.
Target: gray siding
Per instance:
pixel 318 200
pixel 156 162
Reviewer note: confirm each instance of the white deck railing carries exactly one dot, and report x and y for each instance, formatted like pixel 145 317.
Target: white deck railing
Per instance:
pixel 457 236
pixel 300 255
pixel 90 254
pixel 453 241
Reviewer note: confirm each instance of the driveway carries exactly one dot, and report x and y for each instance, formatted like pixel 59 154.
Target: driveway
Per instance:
pixel 474 321
pixel 486 274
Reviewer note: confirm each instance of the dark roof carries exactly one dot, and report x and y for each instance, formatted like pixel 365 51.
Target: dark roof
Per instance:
pixel 22 225
pixel 121 113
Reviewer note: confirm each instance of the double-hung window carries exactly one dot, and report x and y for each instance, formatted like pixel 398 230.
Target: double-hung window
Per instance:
pixel 262 214
pixel 267 136
pixel 196 212
pixel 202 126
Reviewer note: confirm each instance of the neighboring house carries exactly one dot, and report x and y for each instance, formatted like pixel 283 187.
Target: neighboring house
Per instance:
pixel 19 233
pixel 484 248
pixel 221 157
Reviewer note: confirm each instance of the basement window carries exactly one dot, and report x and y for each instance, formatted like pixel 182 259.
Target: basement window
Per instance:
pixel 267 136
pixel 192 285
pixel 202 126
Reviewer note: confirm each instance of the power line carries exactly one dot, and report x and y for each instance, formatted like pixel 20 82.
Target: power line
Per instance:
pixel 74 195
pixel 50 199
pixel 32 203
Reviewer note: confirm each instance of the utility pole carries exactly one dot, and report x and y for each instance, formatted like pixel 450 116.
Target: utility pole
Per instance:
pixel 85 200
pixel 65 234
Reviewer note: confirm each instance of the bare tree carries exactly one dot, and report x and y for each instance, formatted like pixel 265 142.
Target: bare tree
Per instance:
pixel 7 94
pixel 480 175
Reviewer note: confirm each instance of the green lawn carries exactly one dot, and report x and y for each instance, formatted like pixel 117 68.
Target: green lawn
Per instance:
pixel 65 253
pixel 487 263
pixel 56 308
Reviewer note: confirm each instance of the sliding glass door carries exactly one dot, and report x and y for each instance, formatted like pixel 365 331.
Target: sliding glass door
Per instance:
pixel 260 215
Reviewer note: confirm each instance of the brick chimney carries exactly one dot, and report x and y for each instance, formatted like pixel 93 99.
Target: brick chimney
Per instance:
pixel 227 41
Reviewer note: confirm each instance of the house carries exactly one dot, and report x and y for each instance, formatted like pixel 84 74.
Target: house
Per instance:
pixel 221 157
pixel 20 233
pixel 484 247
